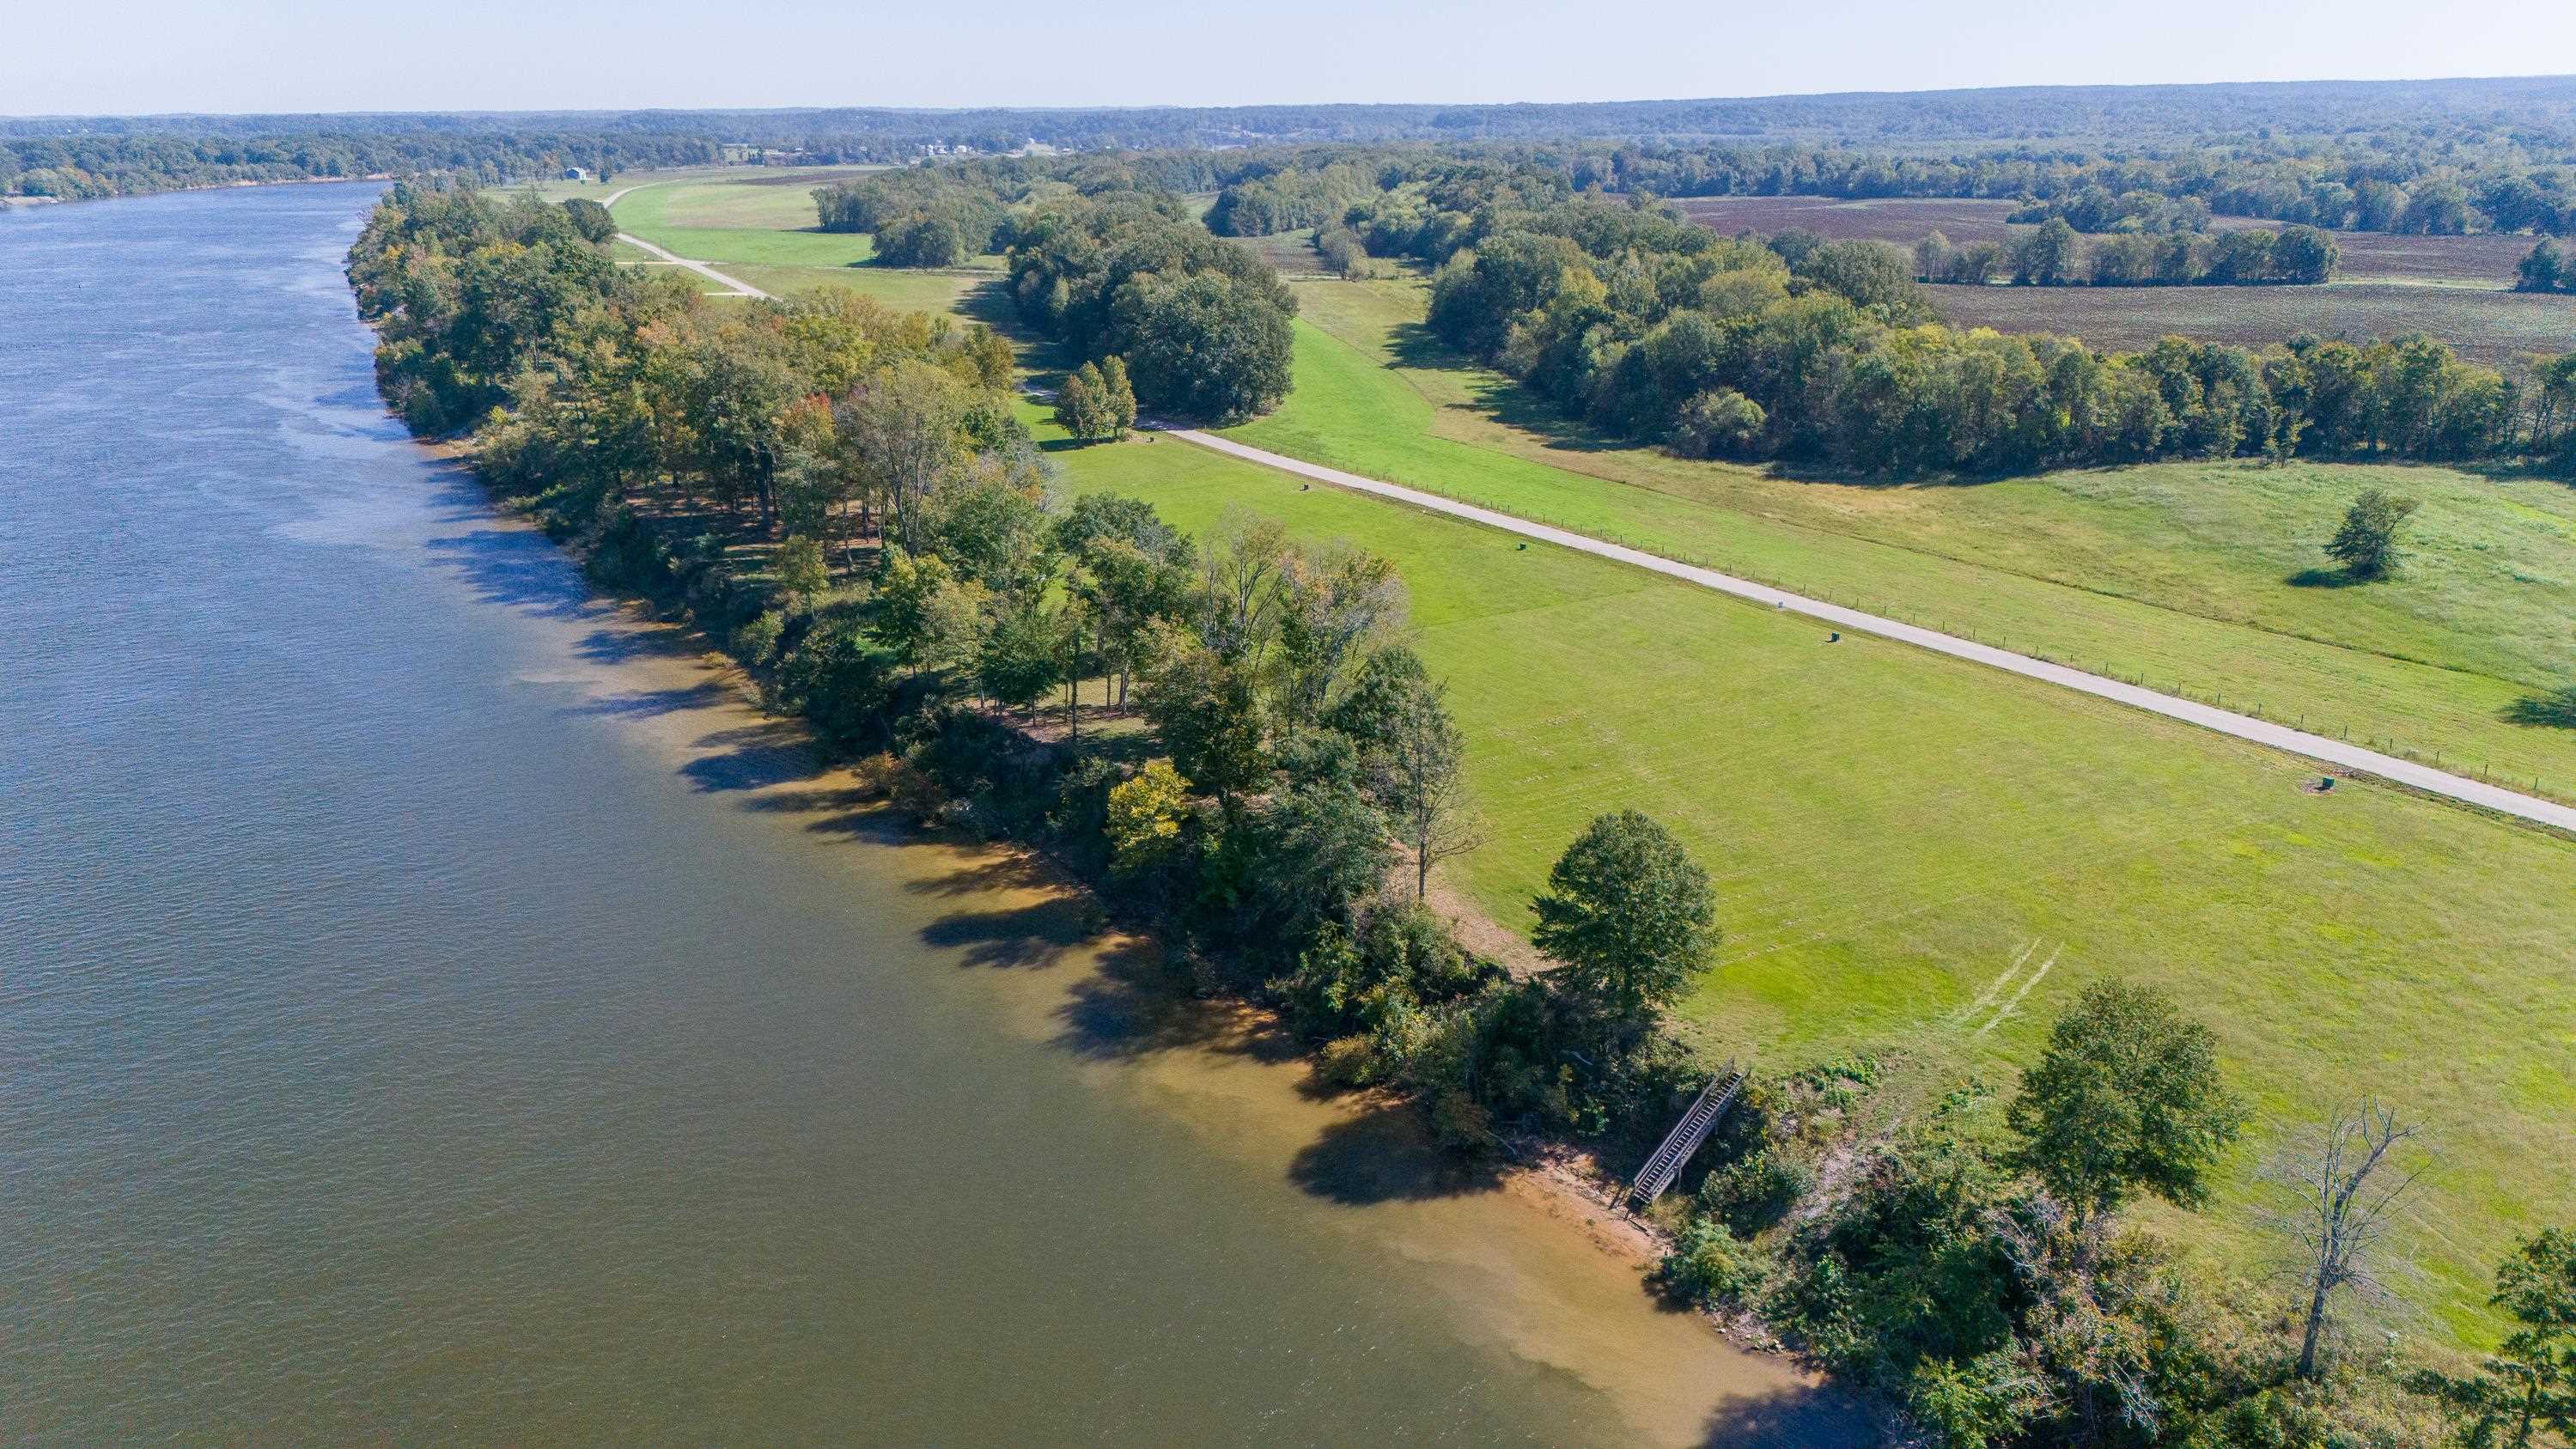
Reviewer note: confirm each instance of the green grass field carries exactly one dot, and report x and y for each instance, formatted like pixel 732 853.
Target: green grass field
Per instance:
pixel 2205 578
pixel 760 227
pixel 1891 832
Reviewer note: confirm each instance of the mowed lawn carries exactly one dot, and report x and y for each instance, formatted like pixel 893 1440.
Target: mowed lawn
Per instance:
pixel 761 228
pixel 1892 832
pixel 2200 578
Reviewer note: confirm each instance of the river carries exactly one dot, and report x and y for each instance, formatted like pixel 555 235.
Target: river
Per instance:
pixel 433 1006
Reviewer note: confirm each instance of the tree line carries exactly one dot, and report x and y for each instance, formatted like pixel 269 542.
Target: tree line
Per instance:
pixel 1203 326
pixel 2052 255
pixel 921 216
pixel 1829 352
pixel 87 166
pixel 2397 182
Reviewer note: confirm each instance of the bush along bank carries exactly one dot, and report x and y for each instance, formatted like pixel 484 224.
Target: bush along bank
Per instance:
pixel 1228 739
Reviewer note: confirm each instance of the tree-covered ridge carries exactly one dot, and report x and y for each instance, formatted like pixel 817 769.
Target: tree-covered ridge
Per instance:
pixel 2381 178
pixel 82 165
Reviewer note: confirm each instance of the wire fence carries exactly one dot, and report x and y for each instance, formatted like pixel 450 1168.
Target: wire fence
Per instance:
pixel 2216 698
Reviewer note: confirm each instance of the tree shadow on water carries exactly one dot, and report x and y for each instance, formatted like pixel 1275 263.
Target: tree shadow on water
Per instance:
pixel 645 703
pixel 1385 1154
pixel 516 569
pixel 1138 1002
pixel 853 811
pixel 1036 935
pixel 750 757
pixel 1790 1418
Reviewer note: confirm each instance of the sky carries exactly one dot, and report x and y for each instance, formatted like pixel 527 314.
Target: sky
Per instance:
pixel 127 57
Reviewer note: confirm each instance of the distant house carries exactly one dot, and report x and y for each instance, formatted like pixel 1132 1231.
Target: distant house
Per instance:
pixel 575 173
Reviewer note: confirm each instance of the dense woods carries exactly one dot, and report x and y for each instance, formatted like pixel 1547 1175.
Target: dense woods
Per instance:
pixel 1203 326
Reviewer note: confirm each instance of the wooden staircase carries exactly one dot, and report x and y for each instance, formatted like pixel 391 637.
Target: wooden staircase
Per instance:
pixel 1685 1138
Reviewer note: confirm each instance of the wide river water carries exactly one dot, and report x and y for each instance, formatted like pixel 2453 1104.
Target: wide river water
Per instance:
pixel 433 1006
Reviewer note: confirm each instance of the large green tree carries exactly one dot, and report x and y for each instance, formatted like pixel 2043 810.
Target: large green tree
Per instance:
pixel 2125 1100
pixel 1628 915
pixel 2366 544
pixel 2524 1394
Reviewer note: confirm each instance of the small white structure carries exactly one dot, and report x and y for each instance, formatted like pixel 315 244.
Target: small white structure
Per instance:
pixel 575 173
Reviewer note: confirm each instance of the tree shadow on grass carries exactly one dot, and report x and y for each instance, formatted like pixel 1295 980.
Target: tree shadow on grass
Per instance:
pixel 2325 579
pixel 1385 1154
pixel 2549 711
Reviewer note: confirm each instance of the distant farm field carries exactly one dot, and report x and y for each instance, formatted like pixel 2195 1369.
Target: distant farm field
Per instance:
pixel 2452 287
pixel 2499 329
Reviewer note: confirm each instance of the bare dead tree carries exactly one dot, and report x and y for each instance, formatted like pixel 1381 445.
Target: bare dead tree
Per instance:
pixel 2347 1194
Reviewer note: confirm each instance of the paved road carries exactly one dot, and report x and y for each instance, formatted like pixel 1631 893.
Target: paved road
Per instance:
pixel 2227 722
pixel 739 288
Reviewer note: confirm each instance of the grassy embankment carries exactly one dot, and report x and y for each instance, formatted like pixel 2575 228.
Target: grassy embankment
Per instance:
pixel 761 229
pixel 1892 832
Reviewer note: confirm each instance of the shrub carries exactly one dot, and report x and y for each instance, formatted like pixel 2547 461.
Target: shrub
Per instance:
pixel 757 639
pixel 1346 1062
pixel 1707 1265
pixel 1756 1190
pixel 1721 423
pixel 1145 818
